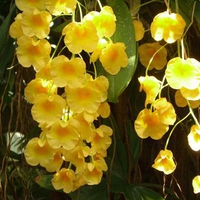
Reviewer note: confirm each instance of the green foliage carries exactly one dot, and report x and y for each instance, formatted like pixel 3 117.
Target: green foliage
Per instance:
pixel 44 180
pixel 6 43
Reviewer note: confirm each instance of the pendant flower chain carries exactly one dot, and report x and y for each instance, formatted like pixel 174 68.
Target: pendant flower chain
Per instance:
pixel 181 73
pixel 67 98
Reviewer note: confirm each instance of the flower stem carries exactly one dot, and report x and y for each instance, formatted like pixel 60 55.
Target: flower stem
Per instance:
pixel 170 134
pixel 56 47
pixel 150 61
pixel 193 115
pixel 100 5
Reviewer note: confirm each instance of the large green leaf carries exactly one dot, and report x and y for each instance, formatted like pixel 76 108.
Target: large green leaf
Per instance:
pixel 146 193
pixel 124 33
pixel 130 191
pixel 117 150
pixel 6 56
pixel 134 143
pixel 6 43
pixel 4 28
pixel 95 192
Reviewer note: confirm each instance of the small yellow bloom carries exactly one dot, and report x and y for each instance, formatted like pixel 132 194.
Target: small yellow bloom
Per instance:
pixel 36 23
pixel 151 86
pixel 36 154
pixel 31 52
pixel 104 21
pixel 94 171
pixel 55 164
pixel 90 117
pixel 139 30
pixel 196 184
pixel 194 138
pixel 146 52
pixel 48 109
pixel 101 140
pixel 64 179
pixel 88 96
pixel 183 73
pixel 104 110
pixel 64 130
pixel 44 73
pixel 182 102
pixel 189 94
pixel 165 110
pixel 164 162
pixel 38 86
pixel 80 36
pixel 80 181
pixel 167 26
pixel 58 7
pixel 96 53
pixel 29 5
pixel 15 30
pixel 154 123
pixel 149 124
pixel 102 83
pixel 77 156
pixel 113 57
pixel 67 72
pixel 179 99
pixel 83 127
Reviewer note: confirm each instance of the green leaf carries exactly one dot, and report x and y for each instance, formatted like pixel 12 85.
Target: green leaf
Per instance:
pixel 95 192
pixel 124 33
pixel 4 28
pixel 147 194
pixel 6 56
pixel 44 180
pixel 6 43
pixel 130 191
pixel 118 150
pixel 60 27
pixel 134 142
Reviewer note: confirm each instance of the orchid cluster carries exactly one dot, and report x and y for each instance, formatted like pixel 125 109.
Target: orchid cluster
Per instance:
pixel 67 97
pixel 182 74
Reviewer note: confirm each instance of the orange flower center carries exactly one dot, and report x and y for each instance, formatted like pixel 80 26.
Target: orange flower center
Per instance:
pixel 84 93
pixel 196 137
pixel 68 68
pixel 152 120
pixel 34 50
pixel 48 106
pixel 40 89
pixel 37 20
pixel 62 131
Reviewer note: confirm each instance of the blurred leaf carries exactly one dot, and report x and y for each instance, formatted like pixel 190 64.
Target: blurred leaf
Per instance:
pixel 124 33
pixel 95 192
pixel 118 150
pixel 147 194
pixel 134 142
pixel 6 56
pixel 44 180
pixel 6 43
pixel 132 192
pixel 60 27
pixel 4 28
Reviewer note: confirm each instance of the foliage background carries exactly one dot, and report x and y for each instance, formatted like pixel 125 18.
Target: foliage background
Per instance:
pixel 130 175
